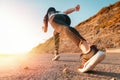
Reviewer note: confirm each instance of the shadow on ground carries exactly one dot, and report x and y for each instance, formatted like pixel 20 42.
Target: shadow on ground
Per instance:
pixel 107 74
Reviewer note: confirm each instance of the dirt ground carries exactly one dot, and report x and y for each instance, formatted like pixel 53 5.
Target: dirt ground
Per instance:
pixel 40 67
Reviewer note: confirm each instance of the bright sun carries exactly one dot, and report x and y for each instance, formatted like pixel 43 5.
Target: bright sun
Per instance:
pixel 17 30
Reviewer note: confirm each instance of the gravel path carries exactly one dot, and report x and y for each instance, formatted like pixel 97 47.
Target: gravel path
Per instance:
pixel 40 67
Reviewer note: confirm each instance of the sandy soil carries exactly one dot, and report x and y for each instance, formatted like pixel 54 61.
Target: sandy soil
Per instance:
pixel 40 67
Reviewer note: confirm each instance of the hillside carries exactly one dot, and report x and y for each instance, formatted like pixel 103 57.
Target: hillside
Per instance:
pixel 102 29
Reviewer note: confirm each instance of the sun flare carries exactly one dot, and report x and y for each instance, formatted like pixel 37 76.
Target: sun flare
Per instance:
pixel 10 63
pixel 17 29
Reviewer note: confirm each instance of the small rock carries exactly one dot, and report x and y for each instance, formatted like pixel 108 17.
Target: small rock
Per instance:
pixel 26 67
pixel 67 79
pixel 65 70
pixel 113 79
pixel 65 65
pixel 31 79
pixel 118 31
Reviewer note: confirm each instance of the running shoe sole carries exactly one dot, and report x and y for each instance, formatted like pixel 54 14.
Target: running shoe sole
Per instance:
pixel 92 62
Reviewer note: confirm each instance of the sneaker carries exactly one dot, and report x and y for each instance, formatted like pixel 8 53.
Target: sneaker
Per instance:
pixel 56 58
pixel 90 60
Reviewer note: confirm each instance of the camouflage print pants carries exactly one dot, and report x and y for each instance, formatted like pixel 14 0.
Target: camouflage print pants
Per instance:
pixel 56 40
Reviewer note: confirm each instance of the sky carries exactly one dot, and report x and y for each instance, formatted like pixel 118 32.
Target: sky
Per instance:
pixel 21 21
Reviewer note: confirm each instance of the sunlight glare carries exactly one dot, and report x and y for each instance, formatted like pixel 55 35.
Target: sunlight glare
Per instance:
pixel 17 28
pixel 10 63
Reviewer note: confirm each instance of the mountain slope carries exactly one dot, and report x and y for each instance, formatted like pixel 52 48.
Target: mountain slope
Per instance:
pixel 102 29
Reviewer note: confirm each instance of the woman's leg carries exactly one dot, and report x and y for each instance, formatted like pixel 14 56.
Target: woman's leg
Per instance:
pixel 91 55
pixel 56 48
pixel 56 40
pixel 78 40
pixel 60 26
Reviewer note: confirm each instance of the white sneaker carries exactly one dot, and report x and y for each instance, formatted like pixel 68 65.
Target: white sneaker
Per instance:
pixel 92 62
pixel 56 58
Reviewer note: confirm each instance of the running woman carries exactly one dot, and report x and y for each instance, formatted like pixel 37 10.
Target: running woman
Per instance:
pixel 60 21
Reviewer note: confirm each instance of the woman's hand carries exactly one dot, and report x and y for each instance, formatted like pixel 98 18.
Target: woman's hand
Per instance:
pixel 77 8
pixel 44 28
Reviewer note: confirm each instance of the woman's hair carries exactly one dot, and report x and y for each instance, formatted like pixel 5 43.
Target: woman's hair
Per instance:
pixel 51 9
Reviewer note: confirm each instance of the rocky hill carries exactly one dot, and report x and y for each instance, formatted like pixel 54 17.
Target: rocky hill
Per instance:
pixel 102 29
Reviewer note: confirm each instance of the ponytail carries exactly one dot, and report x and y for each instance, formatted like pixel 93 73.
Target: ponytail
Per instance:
pixel 45 20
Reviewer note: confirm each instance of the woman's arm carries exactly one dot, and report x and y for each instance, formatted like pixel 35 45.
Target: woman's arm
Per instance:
pixel 76 8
